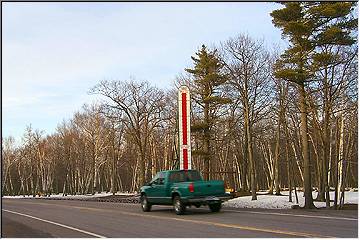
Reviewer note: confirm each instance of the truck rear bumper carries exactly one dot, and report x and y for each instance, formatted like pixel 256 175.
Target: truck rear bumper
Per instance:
pixel 208 199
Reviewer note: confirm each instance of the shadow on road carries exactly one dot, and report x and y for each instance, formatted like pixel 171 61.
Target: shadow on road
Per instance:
pixel 13 229
pixel 189 211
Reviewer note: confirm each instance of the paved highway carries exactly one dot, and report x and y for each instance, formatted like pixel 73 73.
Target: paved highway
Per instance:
pixel 64 218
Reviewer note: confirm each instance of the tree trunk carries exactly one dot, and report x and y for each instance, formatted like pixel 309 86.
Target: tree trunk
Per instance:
pixel 207 143
pixel 142 167
pixel 113 173
pixel 305 149
pixel 297 162
pixel 339 186
pixel 288 161
pixel 250 150
pixel 277 157
pixel 327 189
pixel 244 166
pixel 95 177
pixel 271 169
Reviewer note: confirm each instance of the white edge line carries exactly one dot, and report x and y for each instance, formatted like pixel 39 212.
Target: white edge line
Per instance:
pixel 58 224
pixel 294 215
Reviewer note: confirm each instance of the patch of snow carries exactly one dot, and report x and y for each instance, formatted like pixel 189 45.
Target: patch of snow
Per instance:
pixel 282 202
pixel 18 196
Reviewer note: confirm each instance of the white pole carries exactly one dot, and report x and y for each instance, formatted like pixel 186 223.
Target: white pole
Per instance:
pixel 184 127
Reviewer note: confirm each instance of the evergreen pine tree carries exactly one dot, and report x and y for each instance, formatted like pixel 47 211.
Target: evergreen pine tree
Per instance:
pixel 311 26
pixel 208 78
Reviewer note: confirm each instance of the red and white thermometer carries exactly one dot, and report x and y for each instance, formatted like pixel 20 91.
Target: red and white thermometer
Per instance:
pixel 184 127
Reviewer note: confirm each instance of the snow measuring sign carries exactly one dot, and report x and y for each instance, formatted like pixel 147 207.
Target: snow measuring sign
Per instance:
pixel 184 127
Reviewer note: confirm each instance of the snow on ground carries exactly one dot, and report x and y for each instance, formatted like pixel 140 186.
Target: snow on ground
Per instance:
pixel 276 202
pixel 60 195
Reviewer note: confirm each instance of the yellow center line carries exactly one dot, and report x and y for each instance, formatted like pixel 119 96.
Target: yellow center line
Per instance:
pixel 225 225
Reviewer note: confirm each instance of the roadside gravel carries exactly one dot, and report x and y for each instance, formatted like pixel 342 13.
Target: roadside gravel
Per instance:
pixel 109 198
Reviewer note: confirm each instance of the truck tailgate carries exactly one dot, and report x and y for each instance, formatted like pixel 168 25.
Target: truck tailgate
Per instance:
pixel 209 188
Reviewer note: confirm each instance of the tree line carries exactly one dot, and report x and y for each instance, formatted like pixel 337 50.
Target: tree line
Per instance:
pixel 260 119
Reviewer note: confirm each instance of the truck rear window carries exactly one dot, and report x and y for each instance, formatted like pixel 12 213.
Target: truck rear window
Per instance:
pixel 185 176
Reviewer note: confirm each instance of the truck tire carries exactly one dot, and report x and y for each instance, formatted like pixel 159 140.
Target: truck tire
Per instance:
pixel 215 207
pixel 145 205
pixel 179 207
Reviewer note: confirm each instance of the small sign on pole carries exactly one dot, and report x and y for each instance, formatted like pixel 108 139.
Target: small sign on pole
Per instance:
pixel 184 127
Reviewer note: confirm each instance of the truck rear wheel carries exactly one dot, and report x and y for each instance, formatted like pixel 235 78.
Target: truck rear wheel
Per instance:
pixel 145 205
pixel 179 207
pixel 215 207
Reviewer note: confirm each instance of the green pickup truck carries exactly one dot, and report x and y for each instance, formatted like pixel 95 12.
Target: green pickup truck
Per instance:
pixel 182 188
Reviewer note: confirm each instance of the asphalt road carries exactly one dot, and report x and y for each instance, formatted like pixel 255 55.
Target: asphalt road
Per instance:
pixel 64 218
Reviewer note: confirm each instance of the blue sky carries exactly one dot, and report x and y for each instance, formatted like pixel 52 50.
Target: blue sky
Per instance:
pixel 53 53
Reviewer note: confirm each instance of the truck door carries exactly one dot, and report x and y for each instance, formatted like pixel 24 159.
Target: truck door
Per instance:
pixel 156 193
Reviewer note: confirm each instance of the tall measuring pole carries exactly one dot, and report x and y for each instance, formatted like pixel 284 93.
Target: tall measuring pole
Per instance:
pixel 184 127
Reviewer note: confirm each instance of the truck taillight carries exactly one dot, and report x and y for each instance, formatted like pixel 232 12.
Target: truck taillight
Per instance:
pixel 191 187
